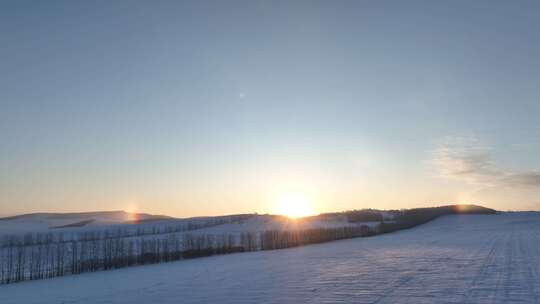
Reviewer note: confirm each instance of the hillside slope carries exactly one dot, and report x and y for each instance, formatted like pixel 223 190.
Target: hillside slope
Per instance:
pixel 453 259
pixel 35 222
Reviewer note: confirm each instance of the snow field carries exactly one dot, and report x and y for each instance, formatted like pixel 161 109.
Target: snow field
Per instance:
pixel 454 259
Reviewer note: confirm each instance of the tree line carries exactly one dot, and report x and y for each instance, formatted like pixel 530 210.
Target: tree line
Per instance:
pixel 410 218
pixel 54 259
pixel 47 259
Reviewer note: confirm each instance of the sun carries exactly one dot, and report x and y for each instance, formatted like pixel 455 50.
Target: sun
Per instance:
pixel 293 205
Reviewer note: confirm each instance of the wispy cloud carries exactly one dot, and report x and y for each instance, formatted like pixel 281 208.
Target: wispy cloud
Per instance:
pixel 467 159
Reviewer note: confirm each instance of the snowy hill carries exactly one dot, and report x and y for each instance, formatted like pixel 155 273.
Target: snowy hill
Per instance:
pixel 453 259
pixel 36 222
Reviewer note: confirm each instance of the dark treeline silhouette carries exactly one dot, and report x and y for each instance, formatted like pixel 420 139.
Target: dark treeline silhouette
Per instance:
pixel 413 217
pixel 354 216
pixel 39 256
pixel 279 239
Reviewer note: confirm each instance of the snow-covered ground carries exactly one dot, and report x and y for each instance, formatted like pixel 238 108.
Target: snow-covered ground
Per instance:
pixel 454 259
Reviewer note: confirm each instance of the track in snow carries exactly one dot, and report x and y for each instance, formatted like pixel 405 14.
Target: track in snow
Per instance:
pixel 454 259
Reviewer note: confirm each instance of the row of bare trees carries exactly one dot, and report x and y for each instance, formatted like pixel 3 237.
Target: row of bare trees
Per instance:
pixel 53 259
pixel 278 239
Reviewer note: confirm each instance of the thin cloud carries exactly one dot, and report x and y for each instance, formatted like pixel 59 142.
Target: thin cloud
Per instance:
pixel 531 179
pixel 468 160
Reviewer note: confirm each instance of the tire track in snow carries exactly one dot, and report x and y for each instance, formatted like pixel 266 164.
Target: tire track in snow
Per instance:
pixel 397 284
pixel 529 254
pixel 472 294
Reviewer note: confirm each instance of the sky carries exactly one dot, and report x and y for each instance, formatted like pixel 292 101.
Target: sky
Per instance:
pixel 194 108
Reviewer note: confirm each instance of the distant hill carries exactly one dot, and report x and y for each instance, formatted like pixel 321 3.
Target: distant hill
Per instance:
pixel 374 215
pixel 40 221
pixel 116 216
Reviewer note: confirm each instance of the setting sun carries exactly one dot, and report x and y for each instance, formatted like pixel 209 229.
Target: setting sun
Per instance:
pixel 293 205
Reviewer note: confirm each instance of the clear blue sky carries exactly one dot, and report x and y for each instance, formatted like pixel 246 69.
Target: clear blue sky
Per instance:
pixel 212 107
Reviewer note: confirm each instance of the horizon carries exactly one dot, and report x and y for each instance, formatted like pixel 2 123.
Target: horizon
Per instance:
pixel 258 213
pixel 202 108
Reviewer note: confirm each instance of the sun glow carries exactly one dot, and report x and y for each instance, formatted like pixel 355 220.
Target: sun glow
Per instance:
pixel 131 211
pixel 293 205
